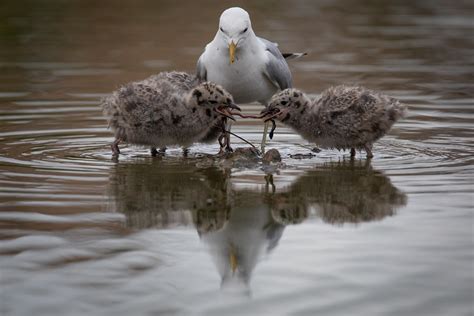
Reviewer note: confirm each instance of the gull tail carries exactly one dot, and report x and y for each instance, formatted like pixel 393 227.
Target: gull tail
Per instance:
pixel 398 111
pixel 290 56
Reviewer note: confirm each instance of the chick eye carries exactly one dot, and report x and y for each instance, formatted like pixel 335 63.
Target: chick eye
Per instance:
pixel 245 30
pixel 212 102
pixel 283 102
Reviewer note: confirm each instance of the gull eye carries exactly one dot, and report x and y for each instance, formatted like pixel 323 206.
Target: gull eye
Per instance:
pixel 222 30
pixel 245 30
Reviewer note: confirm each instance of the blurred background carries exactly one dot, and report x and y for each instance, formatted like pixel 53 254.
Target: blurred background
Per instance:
pixel 110 42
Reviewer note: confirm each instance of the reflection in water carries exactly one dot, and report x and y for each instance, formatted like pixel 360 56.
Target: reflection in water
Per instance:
pixel 240 226
pixel 349 192
pixel 249 232
pixel 161 195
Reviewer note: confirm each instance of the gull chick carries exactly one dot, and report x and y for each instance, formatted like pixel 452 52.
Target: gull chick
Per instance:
pixel 344 117
pixel 171 108
pixel 249 67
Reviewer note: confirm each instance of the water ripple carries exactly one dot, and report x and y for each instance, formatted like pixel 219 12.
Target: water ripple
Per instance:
pixel 322 234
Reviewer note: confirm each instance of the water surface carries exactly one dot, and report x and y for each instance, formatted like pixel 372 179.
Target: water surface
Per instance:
pixel 82 234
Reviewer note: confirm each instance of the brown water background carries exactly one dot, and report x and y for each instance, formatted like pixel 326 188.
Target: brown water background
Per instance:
pixel 81 234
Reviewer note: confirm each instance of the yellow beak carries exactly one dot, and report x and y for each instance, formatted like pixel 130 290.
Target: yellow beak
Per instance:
pixel 232 48
pixel 233 261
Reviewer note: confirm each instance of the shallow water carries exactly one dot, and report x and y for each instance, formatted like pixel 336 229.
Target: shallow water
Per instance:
pixel 81 234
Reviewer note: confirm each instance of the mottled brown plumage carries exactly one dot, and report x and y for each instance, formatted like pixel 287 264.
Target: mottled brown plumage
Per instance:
pixel 344 117
pixel 171 108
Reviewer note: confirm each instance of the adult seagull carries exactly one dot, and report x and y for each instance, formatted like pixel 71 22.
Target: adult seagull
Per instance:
pixel 251 68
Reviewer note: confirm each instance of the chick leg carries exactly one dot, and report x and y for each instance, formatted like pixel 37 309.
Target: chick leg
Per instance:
pixel 115 148
pixel 353 152
pixel 221 139
pixel 185 152
pixel 264 138
pixel 368 150
pixel 154 152
pixel 228 126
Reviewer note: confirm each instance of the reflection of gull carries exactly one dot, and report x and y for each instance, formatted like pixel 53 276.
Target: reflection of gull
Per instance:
pixel 253 228
pixel 249 234
pixel 249 67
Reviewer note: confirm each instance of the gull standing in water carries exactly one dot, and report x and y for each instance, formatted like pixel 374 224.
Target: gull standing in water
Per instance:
pixel 251 68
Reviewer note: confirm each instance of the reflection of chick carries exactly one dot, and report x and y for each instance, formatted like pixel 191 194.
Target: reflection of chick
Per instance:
pixel 159 194
pixel 288 209
pixel 346 192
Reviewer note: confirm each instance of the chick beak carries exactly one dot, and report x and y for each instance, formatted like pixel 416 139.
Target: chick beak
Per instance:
pixel 225 112
pixel 234 107
pixel 265 111
pixel 232 47
pixel 268 114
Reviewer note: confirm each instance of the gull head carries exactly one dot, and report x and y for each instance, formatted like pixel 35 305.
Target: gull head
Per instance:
pixel 234 28
pixel 286 104
pixel 210 97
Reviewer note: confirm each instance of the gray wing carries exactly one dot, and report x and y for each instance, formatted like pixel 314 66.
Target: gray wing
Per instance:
pixel 277 70
pixel 201 71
